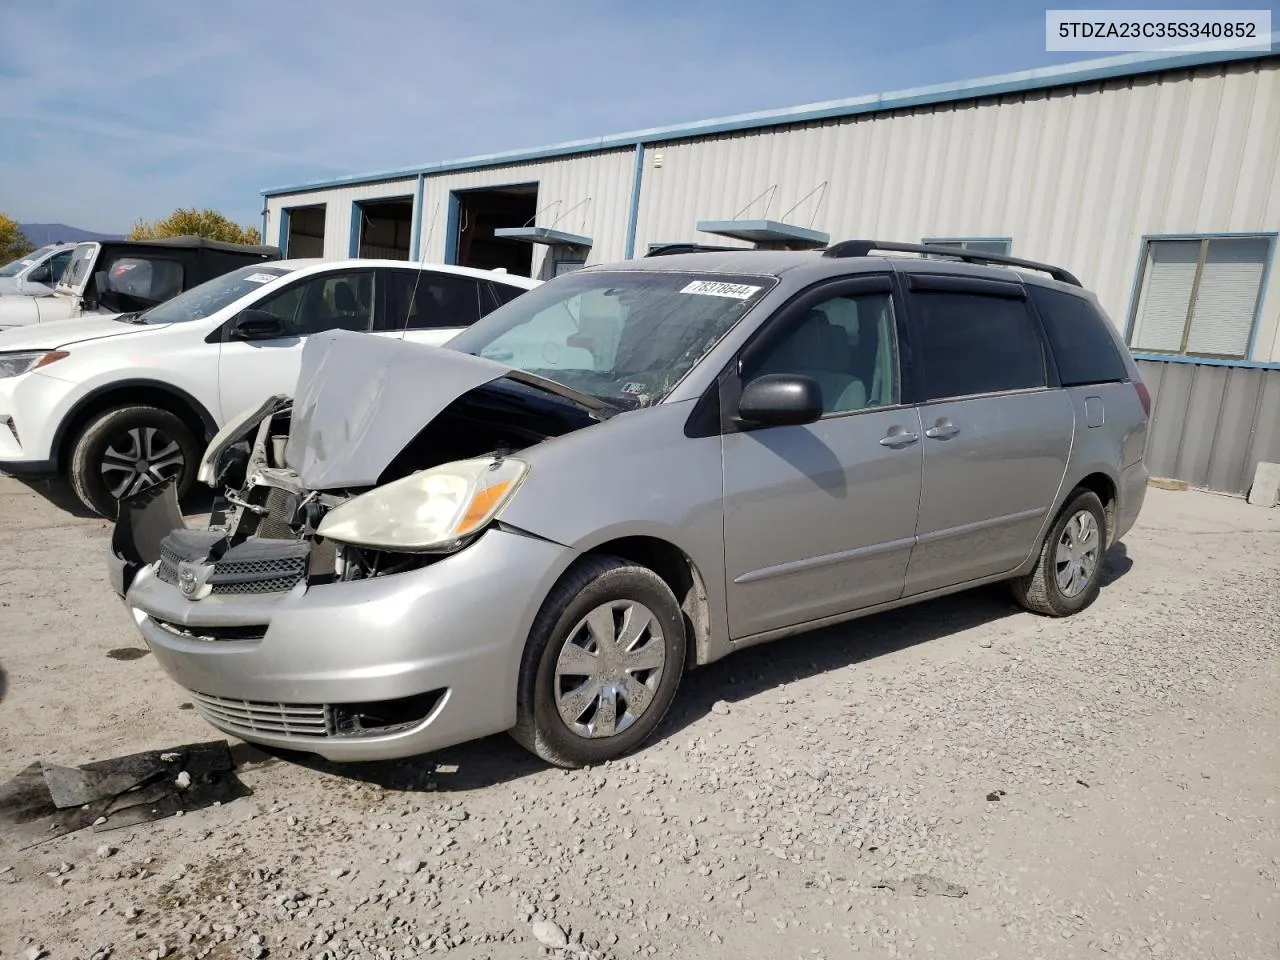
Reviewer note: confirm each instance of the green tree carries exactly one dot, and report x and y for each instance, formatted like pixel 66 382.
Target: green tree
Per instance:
pixel 185 222
pixel 13 242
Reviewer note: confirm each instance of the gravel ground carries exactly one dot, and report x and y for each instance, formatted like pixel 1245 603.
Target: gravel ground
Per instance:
pixel 956 780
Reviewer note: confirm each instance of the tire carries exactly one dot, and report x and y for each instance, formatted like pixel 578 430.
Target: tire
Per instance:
pixel 1048 590
pixel 623 591
pixel 152 434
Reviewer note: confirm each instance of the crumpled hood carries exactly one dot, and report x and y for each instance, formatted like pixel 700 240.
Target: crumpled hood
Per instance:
pixel 361 398
pixel 62 333
pixel 8 285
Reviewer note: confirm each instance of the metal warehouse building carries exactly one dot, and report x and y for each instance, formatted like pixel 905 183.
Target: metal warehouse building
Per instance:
pixel 1156 179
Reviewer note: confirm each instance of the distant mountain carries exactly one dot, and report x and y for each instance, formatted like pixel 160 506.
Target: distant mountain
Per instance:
pixel 42 233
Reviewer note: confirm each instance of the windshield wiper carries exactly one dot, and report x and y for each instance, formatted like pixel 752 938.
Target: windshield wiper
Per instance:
pixel 135 317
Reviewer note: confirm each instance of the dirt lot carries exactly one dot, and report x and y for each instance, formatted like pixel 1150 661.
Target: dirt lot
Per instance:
pixel 827 796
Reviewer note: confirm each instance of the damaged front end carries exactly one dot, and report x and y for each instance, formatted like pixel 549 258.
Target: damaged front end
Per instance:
pixel 392 456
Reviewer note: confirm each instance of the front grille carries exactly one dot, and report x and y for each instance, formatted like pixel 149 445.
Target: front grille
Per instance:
pixel 250 568
pixel 274 575
pixel 215 634
pixel 169 560
pixel 288 719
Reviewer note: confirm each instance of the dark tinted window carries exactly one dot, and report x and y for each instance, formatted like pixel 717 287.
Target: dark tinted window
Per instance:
pixel 1082 345
pixel 146 278
pixel 505 292
pixel 439 300
pixel 971 344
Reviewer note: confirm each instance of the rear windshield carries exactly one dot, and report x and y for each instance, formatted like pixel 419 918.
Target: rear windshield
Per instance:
pixel 210 297
pixel 1082 345
pixel 624 337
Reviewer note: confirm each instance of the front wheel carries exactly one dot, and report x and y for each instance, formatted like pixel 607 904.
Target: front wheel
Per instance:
pixel 124 451
pixel 1068 573
pixel 603 663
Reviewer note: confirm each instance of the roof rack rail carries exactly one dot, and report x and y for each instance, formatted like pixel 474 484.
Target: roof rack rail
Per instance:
pixel 671 249
pixel 863 248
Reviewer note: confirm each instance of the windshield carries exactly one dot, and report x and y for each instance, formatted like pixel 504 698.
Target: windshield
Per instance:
pixel 211 296
pixel 626 337
pixel 77 270
pixel 17 266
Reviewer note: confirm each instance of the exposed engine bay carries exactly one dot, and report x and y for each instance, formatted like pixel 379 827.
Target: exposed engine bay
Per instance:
pixel 354 428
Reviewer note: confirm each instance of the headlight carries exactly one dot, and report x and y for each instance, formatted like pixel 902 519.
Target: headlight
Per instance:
pixel 428 511
pixel 16 364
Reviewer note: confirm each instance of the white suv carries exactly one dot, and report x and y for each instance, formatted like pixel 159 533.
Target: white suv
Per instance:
pixel 119 404
pixel 37 273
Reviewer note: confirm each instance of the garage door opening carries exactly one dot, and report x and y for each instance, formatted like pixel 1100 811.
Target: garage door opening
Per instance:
pixel 480 212
pixel 305 237
pixel 385 228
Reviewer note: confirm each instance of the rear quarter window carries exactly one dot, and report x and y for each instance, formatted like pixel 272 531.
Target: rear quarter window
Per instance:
pixel 1078 335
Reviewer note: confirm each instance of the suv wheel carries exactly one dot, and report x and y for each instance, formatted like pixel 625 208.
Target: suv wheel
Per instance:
pixel 123 451
pixel 1068 573
pixel 603 663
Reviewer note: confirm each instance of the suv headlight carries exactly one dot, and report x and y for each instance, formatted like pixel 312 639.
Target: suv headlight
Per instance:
pixel 16 364
pixel 429 511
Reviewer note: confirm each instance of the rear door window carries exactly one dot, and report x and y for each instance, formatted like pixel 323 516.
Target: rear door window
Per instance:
pixel 971 344
pixel 422 300
pixel 505 292
pixel 1082 345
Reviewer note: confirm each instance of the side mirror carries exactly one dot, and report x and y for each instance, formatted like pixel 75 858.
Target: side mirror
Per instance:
pixel 256 325
pixel 780 399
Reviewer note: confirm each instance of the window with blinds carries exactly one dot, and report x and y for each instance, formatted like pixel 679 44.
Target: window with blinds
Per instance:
pixel 1200 297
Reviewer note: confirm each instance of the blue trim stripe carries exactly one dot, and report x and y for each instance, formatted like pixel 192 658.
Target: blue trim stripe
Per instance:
pixel 415 229
pixel 1206 361
pixel 283 243
pixel 633 209
pixel 451 229
pixel 1088 71
pixel 357 220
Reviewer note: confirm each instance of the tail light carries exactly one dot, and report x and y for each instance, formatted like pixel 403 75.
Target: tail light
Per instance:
pixel 1144 395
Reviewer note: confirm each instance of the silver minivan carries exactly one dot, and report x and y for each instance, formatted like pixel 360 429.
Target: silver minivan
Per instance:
pixel 630 471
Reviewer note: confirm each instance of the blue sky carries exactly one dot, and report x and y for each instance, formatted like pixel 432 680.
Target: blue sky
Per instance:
pixel 114 111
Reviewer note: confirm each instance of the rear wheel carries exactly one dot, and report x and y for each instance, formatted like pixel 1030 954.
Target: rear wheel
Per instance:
pixel 1068 573
pixel 602 666
pixel 124 451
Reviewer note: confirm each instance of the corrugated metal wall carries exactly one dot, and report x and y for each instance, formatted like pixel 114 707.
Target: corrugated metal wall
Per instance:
pixel 604 178
pixel 338 200
pixel 1076 176
pixel 1210 425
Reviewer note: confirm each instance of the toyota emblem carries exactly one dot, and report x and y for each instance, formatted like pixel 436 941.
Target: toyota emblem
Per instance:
pixel 193 579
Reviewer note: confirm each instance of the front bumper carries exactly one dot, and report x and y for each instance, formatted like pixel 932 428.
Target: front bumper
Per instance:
pixel 31 406
pixel 276 670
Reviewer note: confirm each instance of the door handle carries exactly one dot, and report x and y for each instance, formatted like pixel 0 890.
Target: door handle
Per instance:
pixel 897 440
pixel 942 431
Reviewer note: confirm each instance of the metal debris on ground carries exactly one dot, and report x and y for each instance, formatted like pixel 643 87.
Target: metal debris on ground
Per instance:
pixel 46 801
